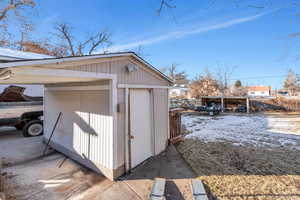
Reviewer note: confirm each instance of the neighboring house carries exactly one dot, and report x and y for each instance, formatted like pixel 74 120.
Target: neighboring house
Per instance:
pixel 259 91
pixel 13 55
pixel 179 91
pixel 114 107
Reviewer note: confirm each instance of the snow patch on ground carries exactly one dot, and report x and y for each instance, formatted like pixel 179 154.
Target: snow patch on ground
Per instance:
pixel 257 130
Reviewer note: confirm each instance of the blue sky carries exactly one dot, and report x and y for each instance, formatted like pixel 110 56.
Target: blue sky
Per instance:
pixel 195 35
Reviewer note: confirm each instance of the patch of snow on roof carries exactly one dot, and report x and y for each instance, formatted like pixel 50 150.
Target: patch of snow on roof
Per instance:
pixel 5 52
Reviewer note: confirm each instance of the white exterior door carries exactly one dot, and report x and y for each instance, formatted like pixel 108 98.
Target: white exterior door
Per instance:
pixel 140 126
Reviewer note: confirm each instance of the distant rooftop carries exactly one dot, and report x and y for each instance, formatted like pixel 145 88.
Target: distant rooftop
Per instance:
pixel 259 88
pixel 10 54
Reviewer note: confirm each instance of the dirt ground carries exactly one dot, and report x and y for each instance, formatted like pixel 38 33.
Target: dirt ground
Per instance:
pixel 261 166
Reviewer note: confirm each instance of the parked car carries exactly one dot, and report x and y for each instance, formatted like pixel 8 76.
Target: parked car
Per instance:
pixel 201 108
pixel 213 109
pixel 241 109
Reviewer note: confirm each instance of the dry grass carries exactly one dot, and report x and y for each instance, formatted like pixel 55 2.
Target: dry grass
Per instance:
pixel 253 187
pixel 244 173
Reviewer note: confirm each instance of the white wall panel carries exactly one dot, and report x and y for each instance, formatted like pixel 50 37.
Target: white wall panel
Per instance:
pixel 85 127
pixel 161 115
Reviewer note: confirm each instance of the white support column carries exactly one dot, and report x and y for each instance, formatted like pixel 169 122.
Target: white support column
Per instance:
pixel 113 113
pixel 126 138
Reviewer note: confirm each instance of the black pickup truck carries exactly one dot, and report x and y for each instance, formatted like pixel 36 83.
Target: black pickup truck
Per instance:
pixel 25 116
pixel 30 123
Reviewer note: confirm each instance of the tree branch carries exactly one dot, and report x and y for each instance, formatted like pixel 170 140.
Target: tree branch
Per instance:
pixel 14 5
pixel 64 30
pixel 165 3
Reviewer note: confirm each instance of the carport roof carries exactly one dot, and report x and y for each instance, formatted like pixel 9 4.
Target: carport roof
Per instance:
pixel 26 62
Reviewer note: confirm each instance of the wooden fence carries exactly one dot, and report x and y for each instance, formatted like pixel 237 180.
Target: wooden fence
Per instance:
pixel 175 126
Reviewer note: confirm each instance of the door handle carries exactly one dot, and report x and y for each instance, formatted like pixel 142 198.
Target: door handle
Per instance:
pixel 131 137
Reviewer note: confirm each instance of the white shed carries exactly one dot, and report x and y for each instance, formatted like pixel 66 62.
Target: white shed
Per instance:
pixel 114 107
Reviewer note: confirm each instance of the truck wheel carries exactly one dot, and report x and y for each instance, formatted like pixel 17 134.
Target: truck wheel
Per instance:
pixel 33 128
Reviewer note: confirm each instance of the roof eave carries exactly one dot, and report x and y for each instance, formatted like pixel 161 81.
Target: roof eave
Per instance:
pixel 44 61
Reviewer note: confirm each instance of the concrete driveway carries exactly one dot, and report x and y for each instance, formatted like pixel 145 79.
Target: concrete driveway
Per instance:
pixel 27 175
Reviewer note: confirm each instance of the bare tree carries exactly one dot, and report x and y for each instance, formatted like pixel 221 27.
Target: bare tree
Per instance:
pixel 14 9
pixel 291 82
pixel 79 48
pixel 15 6
pixel 223 76
pixel 204 85
pixel 178 77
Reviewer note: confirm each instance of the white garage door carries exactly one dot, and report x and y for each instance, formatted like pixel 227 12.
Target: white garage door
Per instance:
pixel 140 125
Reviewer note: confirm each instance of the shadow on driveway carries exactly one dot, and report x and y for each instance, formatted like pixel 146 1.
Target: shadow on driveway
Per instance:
pixel 169 165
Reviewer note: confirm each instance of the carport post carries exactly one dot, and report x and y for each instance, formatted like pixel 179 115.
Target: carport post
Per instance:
pixel 248 105
pixel 222 103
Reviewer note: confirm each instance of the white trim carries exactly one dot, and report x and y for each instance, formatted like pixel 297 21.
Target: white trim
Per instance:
pixel 113 112
pixel 127 155
pixel 78 88
pixel 9 58
pixel 58 60
pixel 150 66
pixel 144 86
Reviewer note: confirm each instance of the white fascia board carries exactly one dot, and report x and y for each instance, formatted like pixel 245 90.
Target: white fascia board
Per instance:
pixel 57 60
pixel 8 58
pixel 143 86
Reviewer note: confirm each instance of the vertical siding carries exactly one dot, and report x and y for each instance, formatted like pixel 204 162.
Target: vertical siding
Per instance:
pixel 160 119
pixel 99 143
pixel 85 127
pixel 99 126
pixel 81 137
pixel 143 75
